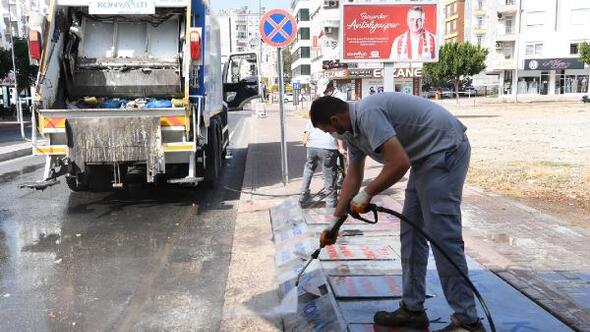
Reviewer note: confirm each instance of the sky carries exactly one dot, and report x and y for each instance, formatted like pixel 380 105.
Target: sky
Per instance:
pixel 252 4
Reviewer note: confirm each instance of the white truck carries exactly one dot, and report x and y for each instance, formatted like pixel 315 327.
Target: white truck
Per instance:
pixel 133 84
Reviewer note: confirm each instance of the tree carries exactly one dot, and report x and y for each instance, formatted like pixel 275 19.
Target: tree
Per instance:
pixel 5 62
pixel 287 60
pixel 25 73
pixel 584 49
pixel 457 63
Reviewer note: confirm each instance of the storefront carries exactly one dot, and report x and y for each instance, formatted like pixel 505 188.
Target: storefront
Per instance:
pixel 355 82
pixel 553 77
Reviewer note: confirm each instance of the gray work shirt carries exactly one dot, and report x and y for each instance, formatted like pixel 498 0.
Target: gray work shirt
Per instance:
pixel 421 126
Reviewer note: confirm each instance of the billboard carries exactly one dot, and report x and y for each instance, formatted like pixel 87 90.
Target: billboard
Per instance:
pixel 383 32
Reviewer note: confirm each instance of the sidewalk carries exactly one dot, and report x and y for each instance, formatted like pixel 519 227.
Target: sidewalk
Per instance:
pixel 15 150
pixel 540 255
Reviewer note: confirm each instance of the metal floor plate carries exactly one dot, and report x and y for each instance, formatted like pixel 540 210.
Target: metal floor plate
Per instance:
pixel 367 287
pixel 357 252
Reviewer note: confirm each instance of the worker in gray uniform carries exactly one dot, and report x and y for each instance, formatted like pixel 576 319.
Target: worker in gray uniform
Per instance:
pixel 405 132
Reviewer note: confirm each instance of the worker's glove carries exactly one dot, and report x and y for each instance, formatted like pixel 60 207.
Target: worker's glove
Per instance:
pixel 325 239
pixel 360 202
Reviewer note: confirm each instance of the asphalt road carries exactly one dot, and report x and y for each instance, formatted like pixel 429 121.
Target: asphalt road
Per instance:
pixel 10 133
pixel 145 259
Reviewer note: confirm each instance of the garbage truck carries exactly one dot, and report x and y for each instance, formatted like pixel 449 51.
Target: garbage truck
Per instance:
pixel 133 85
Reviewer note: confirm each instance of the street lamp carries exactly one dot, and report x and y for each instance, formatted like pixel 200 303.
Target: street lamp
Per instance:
pixel 19 113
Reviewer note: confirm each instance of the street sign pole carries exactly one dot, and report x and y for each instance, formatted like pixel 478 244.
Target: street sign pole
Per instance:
pixel 284 168
pixel 278 28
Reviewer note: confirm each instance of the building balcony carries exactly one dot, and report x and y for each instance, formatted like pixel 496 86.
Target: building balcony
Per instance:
pixel 451 35
pixel 479 12
pixel 508 7
pixel 507 37
pixel 451 18
pixel 503 64
pixel 479 31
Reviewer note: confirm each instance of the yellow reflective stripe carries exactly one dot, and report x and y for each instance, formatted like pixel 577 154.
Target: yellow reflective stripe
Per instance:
pixel 178 147
pixel 53 149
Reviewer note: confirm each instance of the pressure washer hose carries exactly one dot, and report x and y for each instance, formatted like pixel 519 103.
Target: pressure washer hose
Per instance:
pixel 375 208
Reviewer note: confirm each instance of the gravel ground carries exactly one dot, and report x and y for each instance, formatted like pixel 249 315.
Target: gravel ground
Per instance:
pixel 539 153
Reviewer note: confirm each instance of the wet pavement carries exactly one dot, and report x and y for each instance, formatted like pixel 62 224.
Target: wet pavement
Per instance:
pixel 361 275
pixel 149 258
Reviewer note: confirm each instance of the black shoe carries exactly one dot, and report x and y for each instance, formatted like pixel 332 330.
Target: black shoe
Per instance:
pixel 457 326
pixel 304 198
pixel 402 317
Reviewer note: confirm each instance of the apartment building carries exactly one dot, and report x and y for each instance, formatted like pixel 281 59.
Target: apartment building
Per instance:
pixel 16 15
pixel 301 46
pixel 533 45
pixel 454 20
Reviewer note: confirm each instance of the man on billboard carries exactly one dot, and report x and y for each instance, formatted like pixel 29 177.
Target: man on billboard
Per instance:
pixel 417 43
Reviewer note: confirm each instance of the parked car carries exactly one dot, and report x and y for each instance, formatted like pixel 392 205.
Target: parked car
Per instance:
pixel 447 93
pixel 469 91
pixel 288 97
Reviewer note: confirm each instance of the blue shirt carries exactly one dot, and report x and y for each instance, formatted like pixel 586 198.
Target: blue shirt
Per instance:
pixel 421 126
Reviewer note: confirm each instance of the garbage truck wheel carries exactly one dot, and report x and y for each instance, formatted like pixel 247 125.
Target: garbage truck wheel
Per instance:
pixel 76 183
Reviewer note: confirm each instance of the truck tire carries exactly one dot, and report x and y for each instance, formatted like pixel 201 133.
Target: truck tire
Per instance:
pixel 77 183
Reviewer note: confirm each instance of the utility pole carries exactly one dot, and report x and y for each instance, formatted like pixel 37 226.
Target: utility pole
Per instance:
pixel 260 90
pixel 517 50
pixel 19 112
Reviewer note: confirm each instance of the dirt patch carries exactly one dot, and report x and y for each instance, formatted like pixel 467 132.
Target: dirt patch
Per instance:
pixel 539 153
pixel 561 188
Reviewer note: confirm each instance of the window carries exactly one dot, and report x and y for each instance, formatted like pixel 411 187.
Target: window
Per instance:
pixel 509 2
pixel 305 52
pixel 479 40
pixel 535 18
pixel 303 34
pixel 534 49
pixel 580 16
pixel 453 26
pixel 448 28
pixel 454 8
pixel 507 50
pixel 508 25
pixel 479 4
pixel 303 15
pixel 479 22
pixel 302 70
pixel 574 47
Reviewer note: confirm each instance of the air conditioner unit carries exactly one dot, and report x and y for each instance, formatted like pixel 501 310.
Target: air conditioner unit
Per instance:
pixel 499 45
pixel 500 16
pixel 329 30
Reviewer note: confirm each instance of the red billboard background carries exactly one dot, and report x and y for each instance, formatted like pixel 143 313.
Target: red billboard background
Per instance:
pixel 369 31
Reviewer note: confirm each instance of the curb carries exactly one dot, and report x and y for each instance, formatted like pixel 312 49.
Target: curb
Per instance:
pixel 16 154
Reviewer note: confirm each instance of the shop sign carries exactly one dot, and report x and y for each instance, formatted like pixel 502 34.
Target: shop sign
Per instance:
pixel 120 7
pixel 553 64
pixel 354 73
pixel 407 72
pixel 338 74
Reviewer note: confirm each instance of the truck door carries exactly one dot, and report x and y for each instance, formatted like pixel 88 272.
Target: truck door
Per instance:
pixel 240 80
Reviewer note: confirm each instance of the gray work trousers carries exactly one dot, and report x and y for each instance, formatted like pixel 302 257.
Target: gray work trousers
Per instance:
pixel 328 160
pixel 433 202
